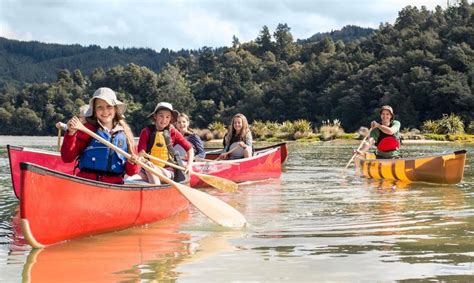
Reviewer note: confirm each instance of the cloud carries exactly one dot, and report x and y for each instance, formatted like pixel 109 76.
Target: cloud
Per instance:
pixel 8 32
pixel 188 24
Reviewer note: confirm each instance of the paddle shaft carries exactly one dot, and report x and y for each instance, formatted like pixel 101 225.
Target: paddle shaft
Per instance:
pixel 59 139
pixel 163 161
pixel 360 146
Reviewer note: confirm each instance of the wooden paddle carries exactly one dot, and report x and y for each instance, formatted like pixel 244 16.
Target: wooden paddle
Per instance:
pixel 217 210
pixel 59 139
pixel 360 146
pixel 216 182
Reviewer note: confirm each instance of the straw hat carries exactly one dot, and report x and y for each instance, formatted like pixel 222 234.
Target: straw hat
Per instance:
pixel 108 96
pixel 388 108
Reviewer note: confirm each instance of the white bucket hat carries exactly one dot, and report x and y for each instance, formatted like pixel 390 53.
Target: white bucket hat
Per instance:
pixel 108 96
pixel 167 106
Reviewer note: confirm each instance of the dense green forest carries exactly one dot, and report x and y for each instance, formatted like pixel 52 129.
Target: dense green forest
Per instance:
pixel 422 65
pixel 36 62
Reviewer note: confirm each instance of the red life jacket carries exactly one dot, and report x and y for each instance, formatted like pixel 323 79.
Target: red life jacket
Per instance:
pixel 387 142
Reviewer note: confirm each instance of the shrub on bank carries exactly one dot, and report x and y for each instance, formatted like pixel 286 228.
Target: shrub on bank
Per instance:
pixel 331 130
pixel 449 124
pixel 470 128
pixel 218 130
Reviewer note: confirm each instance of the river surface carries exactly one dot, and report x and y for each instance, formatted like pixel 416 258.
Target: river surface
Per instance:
pixel 315 223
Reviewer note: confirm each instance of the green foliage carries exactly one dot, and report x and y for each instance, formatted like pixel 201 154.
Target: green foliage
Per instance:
pixel 450 124
pixel 287 127
pixel 218 130
pixel 217 126
pixel 259 130
pixel 430 126
pixel 470 128
pixel 303 126
pixel 436 137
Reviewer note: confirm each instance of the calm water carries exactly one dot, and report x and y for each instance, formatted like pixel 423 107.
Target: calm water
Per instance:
pixel 313 224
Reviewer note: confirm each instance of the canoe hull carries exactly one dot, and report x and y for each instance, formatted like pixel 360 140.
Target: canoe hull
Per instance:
pixel 439 169
pixel 55 207
pixel 264 165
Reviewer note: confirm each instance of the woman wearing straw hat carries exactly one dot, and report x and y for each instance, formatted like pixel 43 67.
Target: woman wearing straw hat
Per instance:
pixel 159 139
pixel 96 161
pixel 385 135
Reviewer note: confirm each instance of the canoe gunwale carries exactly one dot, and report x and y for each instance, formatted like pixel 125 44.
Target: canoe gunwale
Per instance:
pixel 458 152
pixel 258 155
pixel 123 187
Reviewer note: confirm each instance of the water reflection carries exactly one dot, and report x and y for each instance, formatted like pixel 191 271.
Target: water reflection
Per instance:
pixel 149 252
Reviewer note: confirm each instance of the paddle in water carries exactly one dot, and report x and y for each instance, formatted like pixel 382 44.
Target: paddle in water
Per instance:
pixel 217 210
pixel 360 146
pixel 216 182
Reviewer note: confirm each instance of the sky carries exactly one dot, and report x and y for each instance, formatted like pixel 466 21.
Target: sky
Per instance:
pixel 186 24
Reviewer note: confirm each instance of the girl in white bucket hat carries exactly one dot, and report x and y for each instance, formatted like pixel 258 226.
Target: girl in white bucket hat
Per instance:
pixel 159 139
pixel 97 161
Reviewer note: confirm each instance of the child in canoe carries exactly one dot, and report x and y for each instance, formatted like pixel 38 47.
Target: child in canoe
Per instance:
pixel 95 160
pixel 182 124
pixel 158 140
pixel 238 139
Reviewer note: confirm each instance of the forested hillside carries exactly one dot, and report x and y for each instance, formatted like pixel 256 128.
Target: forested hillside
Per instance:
pixel 39 62
pixel 422 64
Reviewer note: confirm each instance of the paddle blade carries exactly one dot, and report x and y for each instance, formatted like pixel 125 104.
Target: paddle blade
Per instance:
pixel 217 210
pixel 219 183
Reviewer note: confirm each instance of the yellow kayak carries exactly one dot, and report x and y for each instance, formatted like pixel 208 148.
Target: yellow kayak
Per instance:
pixel 441 169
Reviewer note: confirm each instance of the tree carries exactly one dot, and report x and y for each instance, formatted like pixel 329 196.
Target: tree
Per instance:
pixel 264 41
pixel 284 46
pixel 173 88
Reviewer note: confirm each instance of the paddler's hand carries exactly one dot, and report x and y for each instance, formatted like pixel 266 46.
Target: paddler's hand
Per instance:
pixel 74 125
pixel 223 155
pixel 134 158
pixel 189 168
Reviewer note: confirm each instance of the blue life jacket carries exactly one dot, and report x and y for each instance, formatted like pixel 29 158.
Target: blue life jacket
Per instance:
pixel 98 157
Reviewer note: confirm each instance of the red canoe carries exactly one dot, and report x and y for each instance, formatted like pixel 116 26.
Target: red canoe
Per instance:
pixel 56 206
pixel 265 164
pixel 213 153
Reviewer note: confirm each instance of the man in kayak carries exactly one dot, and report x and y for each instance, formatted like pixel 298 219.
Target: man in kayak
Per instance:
pixel 385 136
